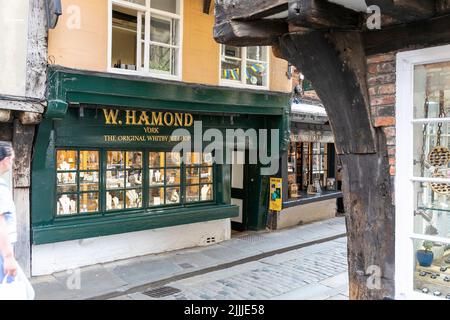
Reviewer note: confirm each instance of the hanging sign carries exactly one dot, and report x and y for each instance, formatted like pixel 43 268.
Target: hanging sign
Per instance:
pixel 275 201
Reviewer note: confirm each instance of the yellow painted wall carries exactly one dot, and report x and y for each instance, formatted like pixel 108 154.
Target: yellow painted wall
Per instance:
pixel 85 47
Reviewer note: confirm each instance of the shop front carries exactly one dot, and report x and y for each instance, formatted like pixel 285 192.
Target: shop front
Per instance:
pixel 113 178
pixel 310 169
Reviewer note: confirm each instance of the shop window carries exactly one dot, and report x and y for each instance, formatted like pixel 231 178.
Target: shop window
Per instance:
pixel 248 67
pixel 146 37
pixel 308 168
pixel 169 181
pixel 77 181
pixel 424 183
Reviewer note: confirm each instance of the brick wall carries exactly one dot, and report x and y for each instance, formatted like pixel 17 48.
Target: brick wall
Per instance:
pixel 381 83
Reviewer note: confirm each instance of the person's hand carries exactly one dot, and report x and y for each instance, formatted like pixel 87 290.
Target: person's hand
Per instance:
pixel 10 266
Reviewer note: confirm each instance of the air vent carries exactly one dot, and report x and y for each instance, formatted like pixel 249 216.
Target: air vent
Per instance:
pixel 162 292
pixel 211 240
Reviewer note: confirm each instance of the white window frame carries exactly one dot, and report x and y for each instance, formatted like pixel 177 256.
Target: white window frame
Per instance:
pixel 405 179
pixel 243 83
pixel 148 11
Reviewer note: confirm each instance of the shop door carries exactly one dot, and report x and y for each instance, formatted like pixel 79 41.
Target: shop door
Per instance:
pixel 239 178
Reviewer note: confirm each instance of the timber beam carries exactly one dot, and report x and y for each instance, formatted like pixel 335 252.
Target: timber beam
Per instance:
pixel 405 10
pixel 319 14
pixel 206 6
pixel 248 10
pixel 339 81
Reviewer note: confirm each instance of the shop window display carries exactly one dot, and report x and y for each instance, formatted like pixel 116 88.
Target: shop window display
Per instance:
pixel 77 182
pixel 164 178
pixel 199 177
pixel 431 227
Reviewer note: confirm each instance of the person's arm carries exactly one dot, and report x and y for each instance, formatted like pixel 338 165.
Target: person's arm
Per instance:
pixel 9 262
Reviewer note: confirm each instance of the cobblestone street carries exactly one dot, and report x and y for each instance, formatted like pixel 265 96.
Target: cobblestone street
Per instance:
pixel 316 272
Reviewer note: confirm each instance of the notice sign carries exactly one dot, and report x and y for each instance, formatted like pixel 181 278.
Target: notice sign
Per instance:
pixel 275 201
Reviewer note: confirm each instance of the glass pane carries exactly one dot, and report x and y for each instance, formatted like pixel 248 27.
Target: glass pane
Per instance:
pixel 66 182
pixel 66 160
pixel 432 215
pixel 114 200
pixel 156 197
pixel 256 74
pixel 161 30
pixel 141 2
pixel 173 159
pixel 171 6
pixel 162 59
pixel 173 176
pixel 231 51
pixel 207 159
pixel 231 69
pixel 192 175
pixel 89 160
pixel 67 204
pixel 124 32
pixel 115 160
pixel 156 177
pixel 206 192
pixel 431 84
pixel 115 179
pixel 192 194
pixel 173 196
pixel 206 175
pixel 134 179
pixel 432 268
pixel 89 202
pixel 134 160
pixel 432 150
pixel 88 181
pixel 134 199
pixel 193 158
pixel 156 159
pixel 257 53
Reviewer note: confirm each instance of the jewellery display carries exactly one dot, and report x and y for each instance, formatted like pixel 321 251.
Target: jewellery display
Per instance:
pixel 66 205
pixel 134 199
pixel 206 192
pixel 173 196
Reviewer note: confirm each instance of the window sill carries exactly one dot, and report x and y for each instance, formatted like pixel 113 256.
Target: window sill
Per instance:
pixel 154 75
pixel 232 84
pixel 96 226
pixel 305 198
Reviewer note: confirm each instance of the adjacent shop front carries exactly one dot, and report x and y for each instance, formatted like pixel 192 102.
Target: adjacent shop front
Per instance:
pixel 310 168
pixel 112 181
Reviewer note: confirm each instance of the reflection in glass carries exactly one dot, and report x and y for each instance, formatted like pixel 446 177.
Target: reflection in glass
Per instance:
pixel 89 160
pixel 156 196
pixel 193 158
pixel 173 195
pixel 67 204
pixel 207 159
pixel 134 198
pixel 165 5
pixel 89 202
pixel 114 200
pixel 66 160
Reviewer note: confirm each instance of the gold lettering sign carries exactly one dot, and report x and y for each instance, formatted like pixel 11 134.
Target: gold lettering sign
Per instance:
pixel 147 118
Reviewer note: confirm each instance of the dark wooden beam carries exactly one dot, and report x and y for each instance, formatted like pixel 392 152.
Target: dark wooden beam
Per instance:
pixel 405 10
pixel 431 32
pixel 319 14
pixel 442 6
pixel 336 65
pixel 206 6
pixel 248 10
pixel 250 33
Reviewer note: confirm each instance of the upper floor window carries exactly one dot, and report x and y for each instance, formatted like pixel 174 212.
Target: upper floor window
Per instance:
pixel 247 67
pixel 146 37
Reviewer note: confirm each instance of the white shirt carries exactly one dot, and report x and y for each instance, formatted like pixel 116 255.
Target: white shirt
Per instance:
pixel 8 209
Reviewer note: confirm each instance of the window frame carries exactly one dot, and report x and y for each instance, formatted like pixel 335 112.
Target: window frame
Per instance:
pixel 146 187
pixel 148 11
pixel 243 82
pixel 405 178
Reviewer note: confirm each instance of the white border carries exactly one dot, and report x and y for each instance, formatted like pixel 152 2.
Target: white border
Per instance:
pixel 110 69
pixel 404 187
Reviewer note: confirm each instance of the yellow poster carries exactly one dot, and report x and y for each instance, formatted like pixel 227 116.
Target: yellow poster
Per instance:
pixel 275 201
